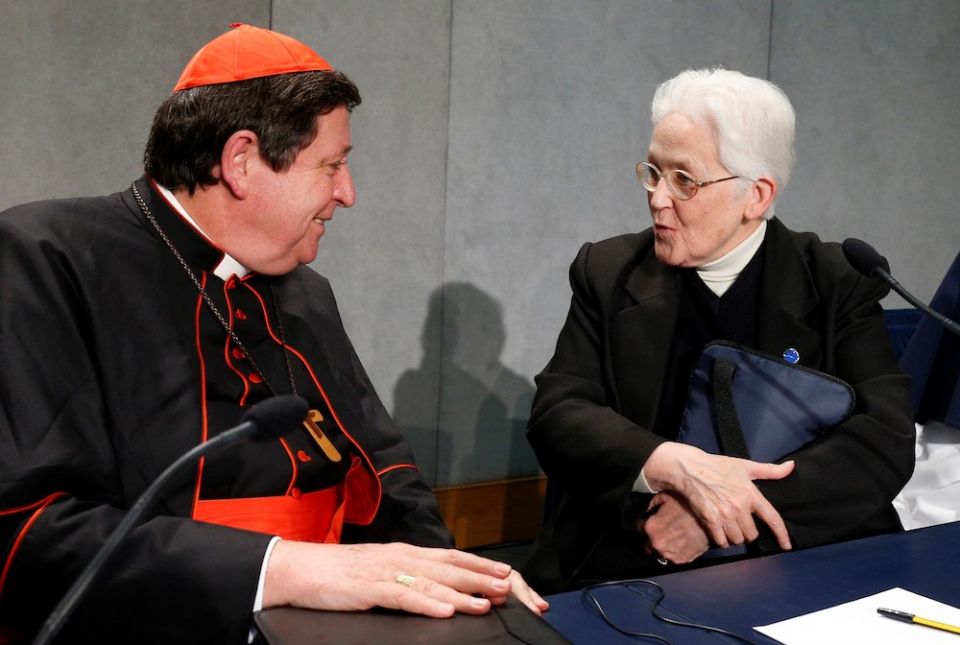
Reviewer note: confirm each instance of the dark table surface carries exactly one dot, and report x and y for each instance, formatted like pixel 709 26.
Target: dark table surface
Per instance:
pixel 741 595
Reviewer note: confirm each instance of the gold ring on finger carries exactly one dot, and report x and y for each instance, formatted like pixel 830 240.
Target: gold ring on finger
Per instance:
pixel 405 580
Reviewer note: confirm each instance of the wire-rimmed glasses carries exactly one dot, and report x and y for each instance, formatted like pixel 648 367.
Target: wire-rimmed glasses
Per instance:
pixel 681 184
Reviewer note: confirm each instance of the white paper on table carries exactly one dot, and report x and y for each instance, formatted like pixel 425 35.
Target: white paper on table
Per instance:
pixel 857 621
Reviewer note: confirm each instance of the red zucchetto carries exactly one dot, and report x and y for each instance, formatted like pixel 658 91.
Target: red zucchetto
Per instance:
pixel 247 52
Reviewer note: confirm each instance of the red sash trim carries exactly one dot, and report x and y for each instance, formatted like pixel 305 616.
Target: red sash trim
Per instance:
pixel 40 506
pixel 310 517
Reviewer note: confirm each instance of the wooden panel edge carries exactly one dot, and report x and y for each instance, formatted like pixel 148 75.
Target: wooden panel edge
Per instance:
pixel 493 512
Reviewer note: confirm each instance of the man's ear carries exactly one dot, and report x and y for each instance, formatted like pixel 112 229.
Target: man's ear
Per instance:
pixel 240 153
pixel 761 195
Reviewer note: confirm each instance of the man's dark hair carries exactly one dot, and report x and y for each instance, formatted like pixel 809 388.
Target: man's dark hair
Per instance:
pixel 191 127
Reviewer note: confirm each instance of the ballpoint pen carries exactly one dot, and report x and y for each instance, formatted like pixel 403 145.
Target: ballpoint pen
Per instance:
pixel 911 618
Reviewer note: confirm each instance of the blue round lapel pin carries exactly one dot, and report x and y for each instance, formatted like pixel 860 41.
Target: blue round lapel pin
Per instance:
pixel 791 355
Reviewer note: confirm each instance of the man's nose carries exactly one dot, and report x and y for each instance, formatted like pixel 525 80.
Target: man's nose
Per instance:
pixel 345 192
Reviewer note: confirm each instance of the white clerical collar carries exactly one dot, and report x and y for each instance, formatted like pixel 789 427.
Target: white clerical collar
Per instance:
pixel 228 265
pixel 719 274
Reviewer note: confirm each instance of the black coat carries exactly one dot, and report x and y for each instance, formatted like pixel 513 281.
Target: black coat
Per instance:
pixel 113 368
pixel 598 396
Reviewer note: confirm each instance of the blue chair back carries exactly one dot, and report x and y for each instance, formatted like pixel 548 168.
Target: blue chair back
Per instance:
pixel 901 323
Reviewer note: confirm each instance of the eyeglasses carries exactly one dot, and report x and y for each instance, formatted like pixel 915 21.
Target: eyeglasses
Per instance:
pixel 681 185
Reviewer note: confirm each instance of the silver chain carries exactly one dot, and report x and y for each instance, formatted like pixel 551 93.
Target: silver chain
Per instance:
pixel 213 308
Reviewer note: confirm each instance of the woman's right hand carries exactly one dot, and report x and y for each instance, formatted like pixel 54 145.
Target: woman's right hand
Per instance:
pixel 719 491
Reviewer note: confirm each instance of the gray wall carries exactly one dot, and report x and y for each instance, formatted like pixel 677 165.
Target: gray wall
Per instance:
pixel 495 137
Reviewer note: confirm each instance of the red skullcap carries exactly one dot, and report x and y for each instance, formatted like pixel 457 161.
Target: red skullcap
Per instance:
pixel 247 52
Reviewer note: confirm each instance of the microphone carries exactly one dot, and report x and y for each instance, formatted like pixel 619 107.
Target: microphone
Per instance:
pixel 865 259
pixel 269 419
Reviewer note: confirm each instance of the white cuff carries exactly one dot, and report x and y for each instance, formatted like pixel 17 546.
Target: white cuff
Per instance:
pixel 258 599
pixel 641 485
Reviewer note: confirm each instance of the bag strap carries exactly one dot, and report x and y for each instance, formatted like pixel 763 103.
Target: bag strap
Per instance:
pixel 730 434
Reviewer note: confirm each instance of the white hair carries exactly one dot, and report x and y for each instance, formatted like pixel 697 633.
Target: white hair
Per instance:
pixel 752 120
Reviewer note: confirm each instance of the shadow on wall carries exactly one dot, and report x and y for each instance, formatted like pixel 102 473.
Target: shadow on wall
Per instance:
pixel 481 422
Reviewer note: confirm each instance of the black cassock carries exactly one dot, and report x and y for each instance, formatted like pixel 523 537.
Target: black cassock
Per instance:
pixel 113 367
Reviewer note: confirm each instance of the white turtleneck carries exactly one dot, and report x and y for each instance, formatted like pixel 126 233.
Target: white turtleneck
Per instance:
pixel 719 274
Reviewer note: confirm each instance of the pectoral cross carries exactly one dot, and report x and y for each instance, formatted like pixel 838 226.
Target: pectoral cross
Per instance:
pixel 310 423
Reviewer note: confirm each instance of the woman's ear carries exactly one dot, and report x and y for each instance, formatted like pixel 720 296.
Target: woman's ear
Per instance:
pixel 240 153
pixel 762 193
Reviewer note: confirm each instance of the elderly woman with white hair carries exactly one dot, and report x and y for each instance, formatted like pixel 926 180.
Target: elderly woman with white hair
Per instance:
pixel 715 265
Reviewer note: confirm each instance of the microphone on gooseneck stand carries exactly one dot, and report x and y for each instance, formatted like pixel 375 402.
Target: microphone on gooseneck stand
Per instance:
pixel 264 421
pixel 865 259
